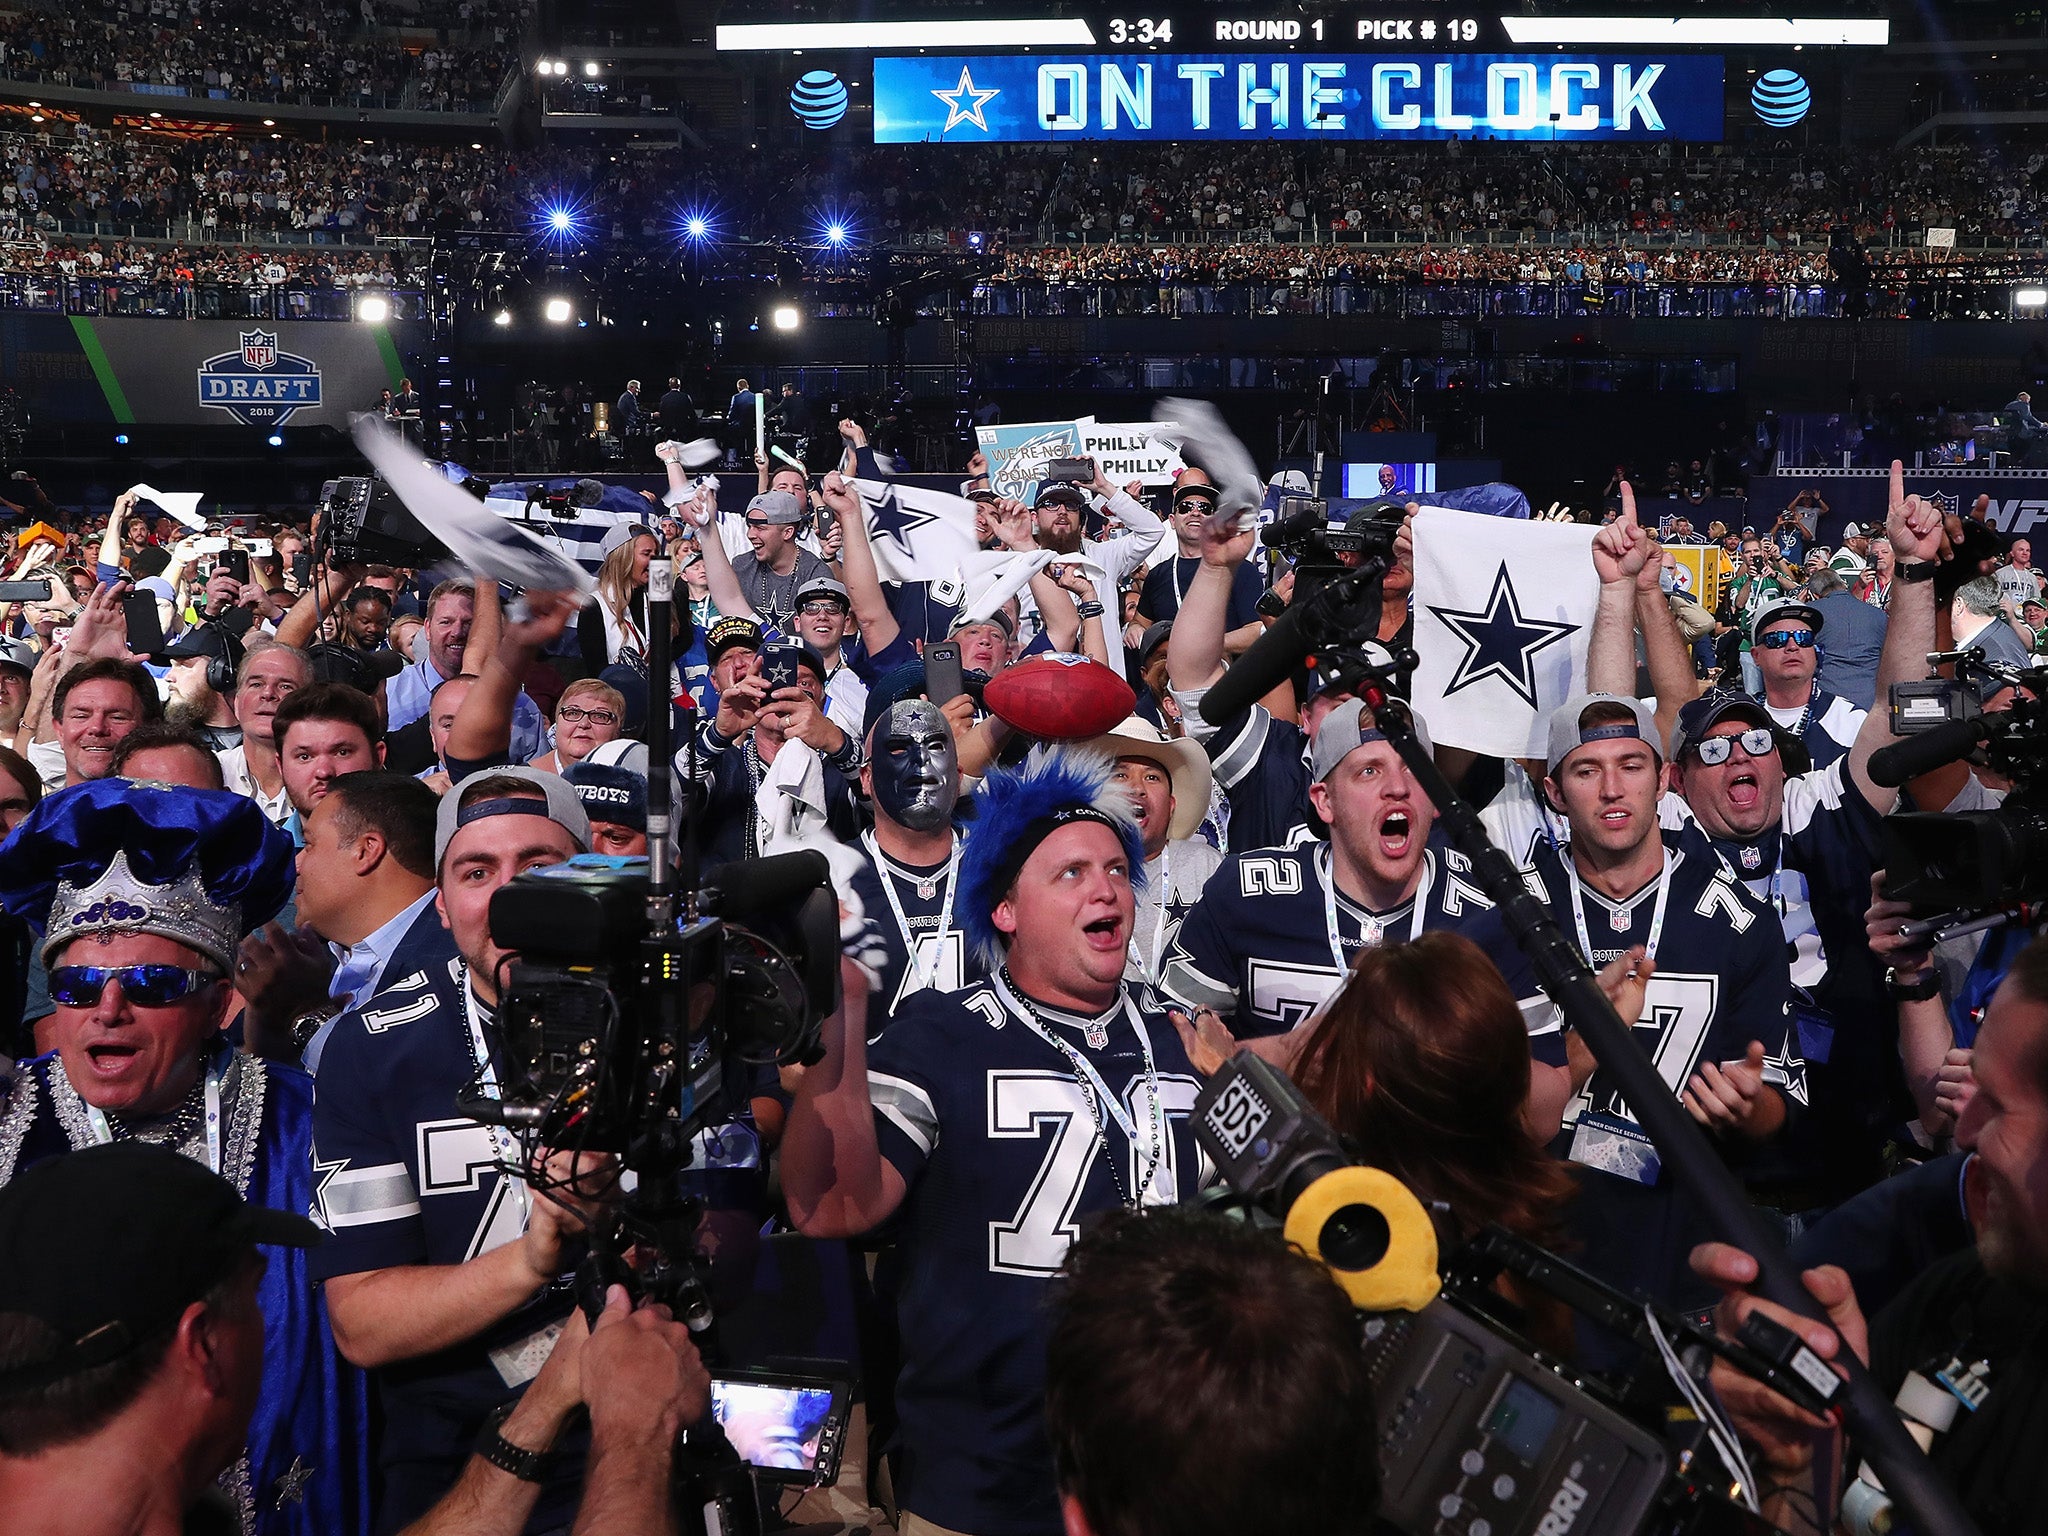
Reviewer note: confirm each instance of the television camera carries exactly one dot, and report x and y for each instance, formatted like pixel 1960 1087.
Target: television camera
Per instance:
pixel 1972 870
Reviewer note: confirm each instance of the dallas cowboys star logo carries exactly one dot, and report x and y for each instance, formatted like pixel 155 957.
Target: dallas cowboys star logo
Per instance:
pixel 1499 641
pixel 970 112
pixel 896 522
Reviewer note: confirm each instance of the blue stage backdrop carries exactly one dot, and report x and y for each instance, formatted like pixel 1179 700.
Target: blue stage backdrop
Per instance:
pixel 1034 98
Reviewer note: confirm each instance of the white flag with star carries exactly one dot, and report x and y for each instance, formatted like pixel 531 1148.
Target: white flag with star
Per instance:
pixel 1503 615
pixel 918 535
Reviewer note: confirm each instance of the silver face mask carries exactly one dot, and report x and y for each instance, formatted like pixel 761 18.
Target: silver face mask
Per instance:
pixel 915 769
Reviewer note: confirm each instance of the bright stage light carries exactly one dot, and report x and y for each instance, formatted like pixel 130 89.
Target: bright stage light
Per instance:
pixel 502 317
pixel 558 311
pixel 787 317
pixel 2030 298
pixel 373 309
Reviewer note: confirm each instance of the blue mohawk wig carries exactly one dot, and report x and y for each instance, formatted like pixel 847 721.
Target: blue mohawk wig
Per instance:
pixel 1015 812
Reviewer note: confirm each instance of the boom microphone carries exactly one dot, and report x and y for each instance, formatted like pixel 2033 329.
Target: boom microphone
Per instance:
pixel 1912 756
pixel 1266 663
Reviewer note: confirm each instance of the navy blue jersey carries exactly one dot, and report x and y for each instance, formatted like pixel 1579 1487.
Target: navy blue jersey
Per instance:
pixel 1257 949
pixel 989 1126
pixel 401 1177
pixel 1166 588
pixel 1814 869
pixel 1721 981
pixel 1262 764
pixel 732 774
pixel 943 957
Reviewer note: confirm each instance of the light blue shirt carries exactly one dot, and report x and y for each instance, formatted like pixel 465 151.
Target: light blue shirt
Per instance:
pixel 408 694
pixel 361 973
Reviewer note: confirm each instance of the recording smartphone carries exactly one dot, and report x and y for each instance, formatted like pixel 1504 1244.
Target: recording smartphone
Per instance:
pixel 60 636
pixel 236 563
pixel 145 627
pixel 209 545
pixel 1071 471
pixel 790 1429
pixel 943 682
pixel 24 591
pixel 262 549
pixel 1270 604
pixel 780 663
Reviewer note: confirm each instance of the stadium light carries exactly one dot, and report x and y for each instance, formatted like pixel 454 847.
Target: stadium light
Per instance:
pixel 787 317
pixel 557 311
pixel 835 234
pixel 373 309
pixel 590 69
pixel 120 439
pixel 502 317
pixel 2030 298
pixel 695 227
pixel 276 440
pixel 561 221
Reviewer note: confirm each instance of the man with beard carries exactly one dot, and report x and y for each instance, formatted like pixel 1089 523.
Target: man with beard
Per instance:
pixel 912 778
pixel 1982 1307
pixel 204 662
pixel 1061 514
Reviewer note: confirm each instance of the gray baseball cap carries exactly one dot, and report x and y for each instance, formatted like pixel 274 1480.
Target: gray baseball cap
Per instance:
pixel 824 586
pixel 777 507
pixel 563 806
pixel 1568 734
pixel 1347 728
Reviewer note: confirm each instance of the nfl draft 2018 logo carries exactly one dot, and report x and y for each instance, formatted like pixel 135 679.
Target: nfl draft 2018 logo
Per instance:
pixel 259 385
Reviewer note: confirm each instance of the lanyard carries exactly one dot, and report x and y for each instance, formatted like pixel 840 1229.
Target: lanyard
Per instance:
pixel 926 975
pixel 1571 874
pixel 1101 1102
pixel 487 1080
pixel 1373 932
pixel 103 1130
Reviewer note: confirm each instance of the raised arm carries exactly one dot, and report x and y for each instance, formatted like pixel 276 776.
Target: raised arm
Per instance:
pixel 878 626
pixel 1194 651
pixel 328 586
pixel 482 727
pixel 834 1178
pixel 1915 530
pixel 726 595
pixel 1621 551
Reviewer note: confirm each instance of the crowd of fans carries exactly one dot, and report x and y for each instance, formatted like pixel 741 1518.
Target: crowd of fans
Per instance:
pixel 256 855
pixel 448 57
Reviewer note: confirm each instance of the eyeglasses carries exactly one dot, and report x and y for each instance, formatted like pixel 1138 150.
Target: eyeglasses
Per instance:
pixel 1778 639
pixel 820 608
pixel 572 715
pixel 1714 750
pixel 146 986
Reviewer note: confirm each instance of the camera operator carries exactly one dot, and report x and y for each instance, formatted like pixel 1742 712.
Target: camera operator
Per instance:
pixel 1980 1308
pixel 1260 757
pixel 445 1277
pixel 987 1123
pixel 1157 1427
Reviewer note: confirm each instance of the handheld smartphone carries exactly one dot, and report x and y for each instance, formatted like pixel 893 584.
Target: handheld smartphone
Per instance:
pixel 790 1429
pixel 780 664
pixel 262 549
pixel 943 681
pixel 1071 471
pixel 1270 604
pixel 24 591
pixel 236 563
pixel 60 636
pixel 145 628
pixel 211 544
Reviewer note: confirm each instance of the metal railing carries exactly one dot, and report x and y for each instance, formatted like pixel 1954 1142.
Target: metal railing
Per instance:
pixel 197 300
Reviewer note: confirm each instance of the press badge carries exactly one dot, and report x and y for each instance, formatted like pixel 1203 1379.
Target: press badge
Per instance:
pixel 520 1361
pixel 1613 1145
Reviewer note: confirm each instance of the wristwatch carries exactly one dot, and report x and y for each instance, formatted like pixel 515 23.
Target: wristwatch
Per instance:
pixel 503 1454
pixel 1929 985
pixel 305 1026
pixel 1916 570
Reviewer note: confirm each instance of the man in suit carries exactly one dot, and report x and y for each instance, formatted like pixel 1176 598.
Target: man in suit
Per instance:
pixel 626 415
pixel 792 413
pixel 739 420
pixel 678 412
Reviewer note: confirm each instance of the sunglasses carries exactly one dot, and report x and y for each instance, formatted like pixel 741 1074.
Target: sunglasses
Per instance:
pixel 146 986
pixel 1715 750
pixel 573 714
pixel 1778 639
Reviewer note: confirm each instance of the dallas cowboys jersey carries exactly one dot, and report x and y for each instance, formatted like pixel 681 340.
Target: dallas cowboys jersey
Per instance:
pixel 1257 946
pixel 1721 979
pixel 944 962
pixel 1720 983
pixel 401 1178
pixel 1174 882
pixel 1262 764
pixel 1004 1156
pixel 1826 726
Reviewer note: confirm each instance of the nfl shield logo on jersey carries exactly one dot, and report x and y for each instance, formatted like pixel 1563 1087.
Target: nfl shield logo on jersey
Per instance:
pixel 1752 857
